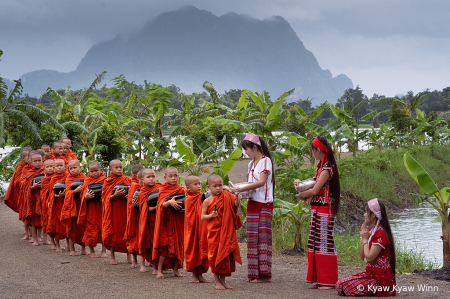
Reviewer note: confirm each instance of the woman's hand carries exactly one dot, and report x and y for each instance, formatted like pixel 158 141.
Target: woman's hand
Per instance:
pixel 364 233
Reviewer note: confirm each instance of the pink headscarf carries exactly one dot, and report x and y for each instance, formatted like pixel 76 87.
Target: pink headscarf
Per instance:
pixel 253 138
pixel 374 206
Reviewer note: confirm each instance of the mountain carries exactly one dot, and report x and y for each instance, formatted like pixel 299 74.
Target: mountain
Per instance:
pixel 189 46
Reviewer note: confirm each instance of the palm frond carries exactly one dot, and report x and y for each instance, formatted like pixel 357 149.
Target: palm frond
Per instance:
pixel 2 130
pixel 91 87
pixel 41 114
pixel 15 92
pixel 3 91
pixel 76 127
pixel 27 124
pixel 212 92
pixel 138 121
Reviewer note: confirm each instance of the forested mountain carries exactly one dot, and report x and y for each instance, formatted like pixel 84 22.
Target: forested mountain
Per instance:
pixel 189 46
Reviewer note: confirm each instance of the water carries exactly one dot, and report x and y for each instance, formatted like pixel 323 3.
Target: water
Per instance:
pixel 415 229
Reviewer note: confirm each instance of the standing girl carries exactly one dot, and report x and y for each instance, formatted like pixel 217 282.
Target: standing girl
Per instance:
pixel 259 209
pixel 378 251
pixel 325 197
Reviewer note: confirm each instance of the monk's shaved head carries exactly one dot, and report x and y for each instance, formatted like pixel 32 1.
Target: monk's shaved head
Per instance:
pixel 30 153
pixel 114 162
pixel 27 148
pixel 24 154
pixel 62 138
pixel 145 170
pixel 35 155
pixel 190 179
pixel 49 161
pixel 140 174
pixel 41 152
pixel 170 169
pixel 95 163
pixel 45 146
pixel 74 161
pixel 214 177
pixel 59 161
pixel 56 144
pixel 136 168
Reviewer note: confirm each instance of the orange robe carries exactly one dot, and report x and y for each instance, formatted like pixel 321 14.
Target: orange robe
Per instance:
pixel 223 247
pixel 54 156
pixel 132 227
pixel 195 233
pixel 12 194
pixel 71 155
pixel 114 220
pixel 90 215
pixel 55 227
pixel 32 200
pixel 169 230
pixel 146 223
pixel 45 192
pixel 70 209
pixel 23 178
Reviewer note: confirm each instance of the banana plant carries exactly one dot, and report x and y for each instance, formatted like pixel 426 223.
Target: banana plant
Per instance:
pixel 338 139
pixel 297 213
pixel 430 193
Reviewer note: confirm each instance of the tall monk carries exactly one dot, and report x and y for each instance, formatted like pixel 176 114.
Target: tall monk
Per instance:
pixel 220 212
pixel 114 219
pixel 71 207
pixel 49 169
pixel 132 227
pixel 69 152
pixel 195 231
pixel 90 215
pixel 32 198
pixel 168 243
pixel 46 148
pixel 12 194
pixel 147 218
pixel 55 227
pixel 21 204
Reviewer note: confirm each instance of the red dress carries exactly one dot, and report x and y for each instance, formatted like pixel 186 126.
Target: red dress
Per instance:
pixel 378 279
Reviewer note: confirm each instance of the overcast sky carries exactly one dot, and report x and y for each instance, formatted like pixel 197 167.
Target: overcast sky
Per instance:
pixel 387 47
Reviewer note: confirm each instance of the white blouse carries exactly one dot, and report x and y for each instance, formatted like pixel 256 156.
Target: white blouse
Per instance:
pixel 262 194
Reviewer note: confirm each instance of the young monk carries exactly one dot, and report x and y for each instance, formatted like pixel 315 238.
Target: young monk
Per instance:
pixel 90 215
pixel 147 220
pixel 71 207
pixel 32 198
pixel 23 179
pixel 114 219
pixel 132 227
pixel 56 151
pixel 195 231
pixel 220 211
pixel 69 152
pixel 11 198
pixel 168 240
pixel 42 153
pixel 65 150
pixel 55 227
pixel 46 148
pixel 49 170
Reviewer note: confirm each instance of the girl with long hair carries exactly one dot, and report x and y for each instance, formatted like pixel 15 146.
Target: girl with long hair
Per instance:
pixel 378 252
pixel 260 175
pixel 325 200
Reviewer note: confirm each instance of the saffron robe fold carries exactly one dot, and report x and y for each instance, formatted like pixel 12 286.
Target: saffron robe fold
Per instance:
pixel 11 198
pixel 223 247
pixel 195 233
pixel 32 200
pixel 169 229
pixel 45 192
pixel 132 228
pixel 114 220
pixel 55 227
pixel 70 209
pixel 23 178
pixel 146 223
pixel 71 155
pixel 90 215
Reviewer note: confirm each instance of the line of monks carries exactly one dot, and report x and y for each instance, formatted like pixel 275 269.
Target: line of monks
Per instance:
pixel 201 233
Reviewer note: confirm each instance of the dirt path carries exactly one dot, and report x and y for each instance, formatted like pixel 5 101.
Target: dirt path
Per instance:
pixel 38 272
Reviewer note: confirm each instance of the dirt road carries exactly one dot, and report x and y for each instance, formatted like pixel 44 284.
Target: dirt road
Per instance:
pixel 38 272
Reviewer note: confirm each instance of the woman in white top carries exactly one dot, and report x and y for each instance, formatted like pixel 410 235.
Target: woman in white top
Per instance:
pixel 259 209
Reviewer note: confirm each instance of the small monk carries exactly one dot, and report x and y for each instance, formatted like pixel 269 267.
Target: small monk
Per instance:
pixel 55 227
pixel 49 170
pixel 21 204
pixel 220 212
pixel 114 219
pixel 147 219
pixel 32 198
pixel 168 243
pixel 71 208
pixel 69 152
pixel 11 198
pixel 65 150
pixel 46 148
pixel 90 215
pixel 56 151
pixel 195 231
pixel 132 227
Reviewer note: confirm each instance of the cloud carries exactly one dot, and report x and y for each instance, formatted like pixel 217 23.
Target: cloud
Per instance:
pixel 386 46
